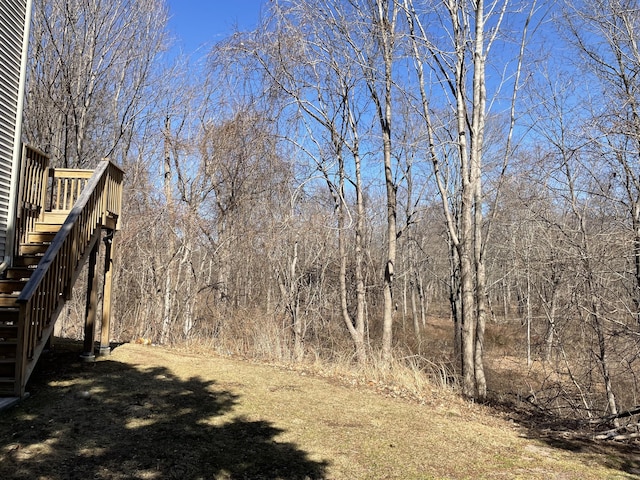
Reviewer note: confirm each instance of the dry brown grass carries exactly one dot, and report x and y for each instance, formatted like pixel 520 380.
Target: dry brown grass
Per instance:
pixel 148 412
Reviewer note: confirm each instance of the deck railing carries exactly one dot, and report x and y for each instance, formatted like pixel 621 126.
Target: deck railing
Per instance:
pixel 42 298
pixel 66 185
pixel 32 193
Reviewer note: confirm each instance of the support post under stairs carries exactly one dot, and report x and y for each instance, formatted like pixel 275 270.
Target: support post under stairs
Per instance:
pixel 105 325
pixel 91 307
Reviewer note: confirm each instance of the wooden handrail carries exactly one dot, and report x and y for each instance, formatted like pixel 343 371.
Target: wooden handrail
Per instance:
pixel 43 296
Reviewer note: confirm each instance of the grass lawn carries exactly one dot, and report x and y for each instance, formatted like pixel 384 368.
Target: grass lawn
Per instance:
pixel 147 412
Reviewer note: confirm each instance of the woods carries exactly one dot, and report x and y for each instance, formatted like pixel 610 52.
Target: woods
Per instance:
pixel 351 176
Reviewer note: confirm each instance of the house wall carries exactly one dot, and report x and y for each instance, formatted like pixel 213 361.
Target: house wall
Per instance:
pixel 14 32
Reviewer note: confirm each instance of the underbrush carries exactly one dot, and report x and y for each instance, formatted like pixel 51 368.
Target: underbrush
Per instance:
pixel 412 377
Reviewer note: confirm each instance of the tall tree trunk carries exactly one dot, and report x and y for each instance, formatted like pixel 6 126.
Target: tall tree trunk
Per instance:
pixel 386 27
pixel 288 284
pixel 465 244
pixel 635 216
pixel 602 350
pixel 294 306
pixel 477 144
pixel 361 299
pixel 455 303
pixel 356 329
pixel 171 241
pixel 550 306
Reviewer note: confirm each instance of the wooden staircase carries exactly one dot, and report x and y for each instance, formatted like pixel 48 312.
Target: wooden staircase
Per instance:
pixel 61 216
pixel 16 277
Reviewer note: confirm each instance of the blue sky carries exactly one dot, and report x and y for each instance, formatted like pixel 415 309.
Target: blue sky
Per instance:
pixel 197 24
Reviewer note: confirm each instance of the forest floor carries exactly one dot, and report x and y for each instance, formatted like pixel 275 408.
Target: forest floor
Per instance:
pixel 147 412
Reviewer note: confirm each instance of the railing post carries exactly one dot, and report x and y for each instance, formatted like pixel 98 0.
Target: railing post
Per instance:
pixel 44 185
pixel 21 351
pixel 105 194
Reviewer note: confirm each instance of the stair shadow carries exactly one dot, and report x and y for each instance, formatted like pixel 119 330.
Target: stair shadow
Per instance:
pixel 109 420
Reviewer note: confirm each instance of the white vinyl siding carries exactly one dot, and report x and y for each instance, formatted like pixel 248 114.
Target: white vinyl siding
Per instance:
pixel 14 16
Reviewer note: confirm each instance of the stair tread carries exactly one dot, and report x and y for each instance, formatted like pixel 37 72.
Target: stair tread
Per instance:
pixel 46 236
pixel 54 218
pixel 34 246
pixel 12 285
pixel 8 299
pixel 19 273
pixel 47 227
pixel 25 260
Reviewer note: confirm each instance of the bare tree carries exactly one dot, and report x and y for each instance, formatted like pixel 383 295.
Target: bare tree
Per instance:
pixel 309 58
pixel 586 234
pixel 90 76
pixel 383 22
pixel 458 60
pixel 604 33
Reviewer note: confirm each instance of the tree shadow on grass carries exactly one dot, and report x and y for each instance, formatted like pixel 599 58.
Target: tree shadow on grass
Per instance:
pixel 572 436
pixel 109 420
pixel 616 455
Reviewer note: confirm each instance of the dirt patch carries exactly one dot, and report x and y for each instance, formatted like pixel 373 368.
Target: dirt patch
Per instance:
pixel 150 413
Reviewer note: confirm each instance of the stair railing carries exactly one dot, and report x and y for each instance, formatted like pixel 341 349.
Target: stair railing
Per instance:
pixel 43 297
